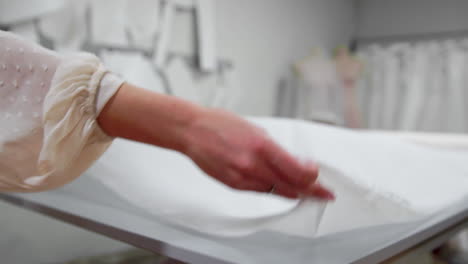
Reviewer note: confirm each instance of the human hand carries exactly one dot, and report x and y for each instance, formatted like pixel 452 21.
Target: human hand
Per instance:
pixel 223 145
pixel 243 157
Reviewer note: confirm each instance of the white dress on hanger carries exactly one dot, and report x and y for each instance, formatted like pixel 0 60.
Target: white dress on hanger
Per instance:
pixel 48 109
pixel 376 62
pixel 390 87
pixel 455 104
pixel 436 82
pixel 415 85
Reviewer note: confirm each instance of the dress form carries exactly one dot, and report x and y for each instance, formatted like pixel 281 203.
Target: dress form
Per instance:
pixel 349 68
pixel 318 94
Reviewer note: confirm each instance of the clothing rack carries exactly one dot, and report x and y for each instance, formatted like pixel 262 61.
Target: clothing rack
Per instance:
pixel 89 45
pixel 412 37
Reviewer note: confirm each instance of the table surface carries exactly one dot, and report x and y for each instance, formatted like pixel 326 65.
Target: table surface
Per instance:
pixel 88 204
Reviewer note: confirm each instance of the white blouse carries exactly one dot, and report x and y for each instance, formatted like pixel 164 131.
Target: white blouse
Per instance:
pixel 48 109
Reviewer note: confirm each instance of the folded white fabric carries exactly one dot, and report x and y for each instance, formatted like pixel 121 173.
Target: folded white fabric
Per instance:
pixel 48 109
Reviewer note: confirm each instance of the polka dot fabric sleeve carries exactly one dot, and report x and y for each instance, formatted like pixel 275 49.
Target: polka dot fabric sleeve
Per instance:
pixel 48 108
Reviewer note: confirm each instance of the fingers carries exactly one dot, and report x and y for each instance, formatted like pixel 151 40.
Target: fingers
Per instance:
pixel 266 174
pixel 296 179
pixel 315 189
pixel 286 191
pixel 248 183
pixel 258 173
pixel 237 181
pixel 288 168
pixel 319 191
pixel 262 177
pixel 254 167
pixel 233 178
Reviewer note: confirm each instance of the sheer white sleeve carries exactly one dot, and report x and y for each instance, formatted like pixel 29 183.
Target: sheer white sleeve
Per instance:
pixel 48 108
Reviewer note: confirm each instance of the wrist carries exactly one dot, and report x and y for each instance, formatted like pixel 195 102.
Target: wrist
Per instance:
pixel 187 132
pixel 141 115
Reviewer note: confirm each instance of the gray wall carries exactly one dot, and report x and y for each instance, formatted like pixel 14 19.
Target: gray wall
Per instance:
pixel 396 17
pixel 263 38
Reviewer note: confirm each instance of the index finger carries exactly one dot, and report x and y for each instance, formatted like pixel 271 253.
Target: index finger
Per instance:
pixel 319 191
pixel 290 169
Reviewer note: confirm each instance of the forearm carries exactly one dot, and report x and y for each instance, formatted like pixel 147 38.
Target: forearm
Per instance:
pixel 223 145
pixel 145 116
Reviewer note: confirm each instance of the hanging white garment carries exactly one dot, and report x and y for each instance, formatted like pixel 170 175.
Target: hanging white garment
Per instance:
pixel 142 22
pixel 364 86
pixel 27 30
pixel 19 11
pixel 427 82
pixel 455 105
pixel 48 107
pixel 415 82
pixel 207 86
pixel 390 86
pixel 134 68
pixel 377 74
pixel 226 95
pixel 445 89
pixel 108 18
pixel 464 48
pixel 436 81
pixel 180 76
pixel 222 94
pixel 214 89
pixel 66 27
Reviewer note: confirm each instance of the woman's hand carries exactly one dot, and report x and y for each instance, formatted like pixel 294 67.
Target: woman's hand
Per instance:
pixel 242 156
pixel 225 146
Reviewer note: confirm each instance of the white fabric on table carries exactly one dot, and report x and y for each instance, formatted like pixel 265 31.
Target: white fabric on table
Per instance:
pixel 378 179
pixel 48 109
pixel 170 186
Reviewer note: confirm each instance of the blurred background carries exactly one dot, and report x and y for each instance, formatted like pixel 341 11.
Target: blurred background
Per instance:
pixel 364 64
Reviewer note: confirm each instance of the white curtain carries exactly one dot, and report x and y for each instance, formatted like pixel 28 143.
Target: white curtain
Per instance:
pixel 419 86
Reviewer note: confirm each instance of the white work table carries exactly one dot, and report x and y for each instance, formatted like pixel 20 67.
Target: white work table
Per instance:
pixel 88 204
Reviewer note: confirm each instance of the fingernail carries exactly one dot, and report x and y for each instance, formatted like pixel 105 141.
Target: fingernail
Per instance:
pixel 310 164
pixel 330 197
pixel 327 194
pixel 313 169
pixel 309 176
pixel 326 198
